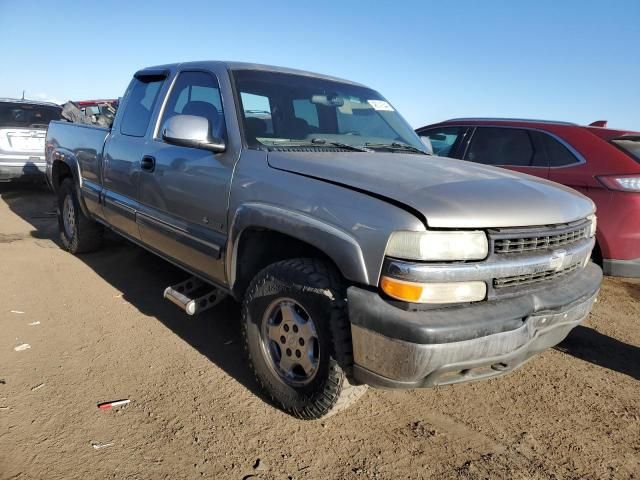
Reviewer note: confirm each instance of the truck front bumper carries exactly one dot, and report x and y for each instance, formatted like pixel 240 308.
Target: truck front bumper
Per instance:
pixel 395 348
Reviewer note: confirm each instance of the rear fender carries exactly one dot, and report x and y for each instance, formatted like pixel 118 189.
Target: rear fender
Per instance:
pixel 60 158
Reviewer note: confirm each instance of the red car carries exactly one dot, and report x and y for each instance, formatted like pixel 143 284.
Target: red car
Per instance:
pixel 601 163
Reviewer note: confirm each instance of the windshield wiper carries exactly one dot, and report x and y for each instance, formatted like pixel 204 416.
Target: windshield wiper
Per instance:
pixel 346 146
pixel 397 146
pixel 314 142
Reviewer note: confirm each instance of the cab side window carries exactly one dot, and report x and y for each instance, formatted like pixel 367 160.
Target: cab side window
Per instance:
pixel 141 99
pixel 501 146
pixel 197 93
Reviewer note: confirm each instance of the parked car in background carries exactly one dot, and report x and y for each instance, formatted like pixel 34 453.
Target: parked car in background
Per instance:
pixel 23 127
pixel 358 258
pixel 600 162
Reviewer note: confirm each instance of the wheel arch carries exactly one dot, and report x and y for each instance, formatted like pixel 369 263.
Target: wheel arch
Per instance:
pixel 65 165
pixel 269 233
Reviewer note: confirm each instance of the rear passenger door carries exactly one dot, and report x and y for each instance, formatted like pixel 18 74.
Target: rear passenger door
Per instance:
pixel 124 150
pixel 513 148
pixel 183 199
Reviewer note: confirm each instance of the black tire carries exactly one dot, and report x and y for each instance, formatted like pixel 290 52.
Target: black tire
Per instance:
pixel 317 288
pixel 78 234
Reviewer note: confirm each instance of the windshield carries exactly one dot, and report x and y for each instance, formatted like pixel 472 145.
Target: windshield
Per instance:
pixel 630 145
pixel 24 115
pixel 288 110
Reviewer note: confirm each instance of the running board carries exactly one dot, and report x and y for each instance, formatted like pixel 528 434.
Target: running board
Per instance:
pixel 181 294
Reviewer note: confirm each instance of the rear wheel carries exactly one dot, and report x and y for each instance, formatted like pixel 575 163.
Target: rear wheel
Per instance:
pixel 298 338
pixel 78 233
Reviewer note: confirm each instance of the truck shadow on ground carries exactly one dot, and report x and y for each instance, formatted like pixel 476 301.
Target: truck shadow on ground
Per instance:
pixel 142 277
pixel 592 346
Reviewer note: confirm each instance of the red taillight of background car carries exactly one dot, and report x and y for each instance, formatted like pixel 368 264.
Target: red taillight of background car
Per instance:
pixel 621 183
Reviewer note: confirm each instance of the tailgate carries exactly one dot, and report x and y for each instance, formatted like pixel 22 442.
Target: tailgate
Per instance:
pixel 22 141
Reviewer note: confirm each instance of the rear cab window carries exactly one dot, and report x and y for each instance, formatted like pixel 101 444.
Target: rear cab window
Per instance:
pixel 141 99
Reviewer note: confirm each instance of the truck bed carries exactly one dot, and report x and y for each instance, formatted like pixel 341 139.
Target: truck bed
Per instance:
pixel 84 142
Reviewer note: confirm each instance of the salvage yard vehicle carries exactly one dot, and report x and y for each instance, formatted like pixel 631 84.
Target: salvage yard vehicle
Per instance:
pixel 359 259
pixel 602 163
pixel 23 126
pixel 98 109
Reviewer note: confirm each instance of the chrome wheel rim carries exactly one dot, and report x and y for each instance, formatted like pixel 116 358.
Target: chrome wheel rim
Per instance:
pixel 290 342
pixel 68 216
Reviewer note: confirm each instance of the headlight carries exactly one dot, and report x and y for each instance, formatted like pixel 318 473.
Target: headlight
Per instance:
pixel 470 245
pixel 593 226
pixel 450 292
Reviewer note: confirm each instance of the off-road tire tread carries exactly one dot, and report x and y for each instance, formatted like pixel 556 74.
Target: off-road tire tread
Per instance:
pixel 339 393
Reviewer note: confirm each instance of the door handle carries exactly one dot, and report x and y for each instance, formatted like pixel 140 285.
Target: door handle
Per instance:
pixel 148 163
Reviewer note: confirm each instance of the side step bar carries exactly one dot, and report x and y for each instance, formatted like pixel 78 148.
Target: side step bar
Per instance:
pixel 181 295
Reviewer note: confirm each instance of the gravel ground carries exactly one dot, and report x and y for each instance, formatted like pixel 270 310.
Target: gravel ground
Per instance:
pixel 99 330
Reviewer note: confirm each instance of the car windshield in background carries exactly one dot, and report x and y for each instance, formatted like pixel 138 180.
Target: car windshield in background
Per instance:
pixel 629 144
pixel 288 110
pixel 24 115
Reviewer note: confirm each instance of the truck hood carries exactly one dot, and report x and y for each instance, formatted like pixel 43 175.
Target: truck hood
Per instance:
pixel 448 193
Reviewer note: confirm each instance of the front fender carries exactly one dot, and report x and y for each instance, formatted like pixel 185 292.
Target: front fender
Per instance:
pixel 337 244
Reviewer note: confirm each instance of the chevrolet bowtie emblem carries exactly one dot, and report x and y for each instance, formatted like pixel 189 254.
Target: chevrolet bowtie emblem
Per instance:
pixel 557 260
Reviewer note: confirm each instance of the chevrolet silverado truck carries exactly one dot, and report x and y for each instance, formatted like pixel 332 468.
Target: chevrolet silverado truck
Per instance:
pixel 359 259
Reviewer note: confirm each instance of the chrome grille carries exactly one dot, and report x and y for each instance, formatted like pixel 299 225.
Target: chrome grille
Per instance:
pixel 519 280
pixel 540 241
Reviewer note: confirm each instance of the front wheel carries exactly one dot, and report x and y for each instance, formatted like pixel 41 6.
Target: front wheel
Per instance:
pixel 298 338
pixel 78 233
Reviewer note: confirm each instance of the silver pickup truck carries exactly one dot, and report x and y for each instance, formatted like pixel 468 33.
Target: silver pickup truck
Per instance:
pixel 359 258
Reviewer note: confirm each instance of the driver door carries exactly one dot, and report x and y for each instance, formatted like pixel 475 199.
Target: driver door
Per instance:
pixel 183 192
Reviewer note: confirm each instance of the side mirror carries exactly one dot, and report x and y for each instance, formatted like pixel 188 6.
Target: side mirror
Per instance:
pixel 427 144
pixel 191 131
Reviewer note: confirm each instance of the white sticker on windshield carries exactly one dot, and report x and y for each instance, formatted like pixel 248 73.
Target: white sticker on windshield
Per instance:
pixel 380 105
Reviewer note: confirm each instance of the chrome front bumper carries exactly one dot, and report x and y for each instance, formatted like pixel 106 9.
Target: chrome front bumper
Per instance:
pixel 483 341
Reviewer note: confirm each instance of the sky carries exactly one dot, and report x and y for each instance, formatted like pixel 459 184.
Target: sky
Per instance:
pixel 557 60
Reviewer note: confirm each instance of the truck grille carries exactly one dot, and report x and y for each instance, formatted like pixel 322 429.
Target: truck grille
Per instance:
pixel 519 280
pixel 540 240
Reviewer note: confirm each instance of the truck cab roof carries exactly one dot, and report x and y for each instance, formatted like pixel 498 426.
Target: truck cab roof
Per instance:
pixel 232 65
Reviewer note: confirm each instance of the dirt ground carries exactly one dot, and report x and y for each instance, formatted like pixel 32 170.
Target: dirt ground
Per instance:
pixel 99 330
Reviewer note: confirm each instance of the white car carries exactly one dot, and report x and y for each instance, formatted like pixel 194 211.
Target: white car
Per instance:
pixel 23 128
